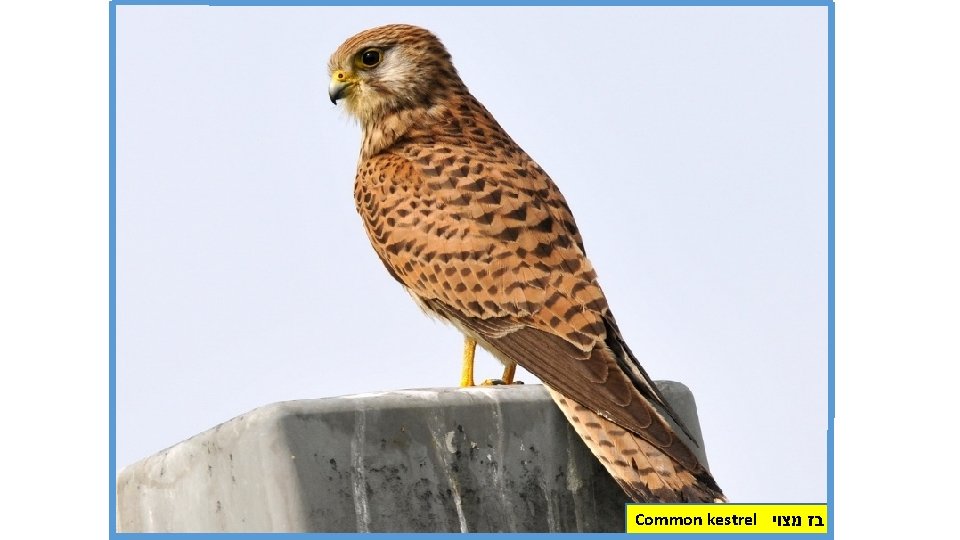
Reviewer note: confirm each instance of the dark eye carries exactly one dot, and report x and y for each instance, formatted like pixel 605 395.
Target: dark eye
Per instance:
pixel 371 57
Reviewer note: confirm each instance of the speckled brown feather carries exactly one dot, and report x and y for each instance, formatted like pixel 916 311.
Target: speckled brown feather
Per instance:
pixel 479 235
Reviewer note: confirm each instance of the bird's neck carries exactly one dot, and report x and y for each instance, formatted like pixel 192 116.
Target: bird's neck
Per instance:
pixel 384 131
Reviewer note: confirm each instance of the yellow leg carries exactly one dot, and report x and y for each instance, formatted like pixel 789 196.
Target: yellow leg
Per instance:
pixel 508 373
pixel 469 348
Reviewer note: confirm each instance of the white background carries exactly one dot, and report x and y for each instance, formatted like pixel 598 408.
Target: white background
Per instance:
pixel 896 270
pixel 691 144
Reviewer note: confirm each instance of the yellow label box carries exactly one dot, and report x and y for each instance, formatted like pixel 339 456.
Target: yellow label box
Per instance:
pixel 727 518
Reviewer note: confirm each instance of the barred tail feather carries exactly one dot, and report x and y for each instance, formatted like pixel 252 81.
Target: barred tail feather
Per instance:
pixel 644 472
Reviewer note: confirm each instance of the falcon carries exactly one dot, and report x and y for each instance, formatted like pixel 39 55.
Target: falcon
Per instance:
pixel 481 237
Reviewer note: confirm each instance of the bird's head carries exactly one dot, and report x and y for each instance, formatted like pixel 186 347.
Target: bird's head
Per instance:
pixel 388 69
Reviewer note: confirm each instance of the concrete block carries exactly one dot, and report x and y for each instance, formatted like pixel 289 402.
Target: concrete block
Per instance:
pixel 445 460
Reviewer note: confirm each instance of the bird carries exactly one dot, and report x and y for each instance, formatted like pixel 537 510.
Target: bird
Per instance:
pixel 480 236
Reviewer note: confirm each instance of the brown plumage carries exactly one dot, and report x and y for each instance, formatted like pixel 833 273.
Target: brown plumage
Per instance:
pixel 479 235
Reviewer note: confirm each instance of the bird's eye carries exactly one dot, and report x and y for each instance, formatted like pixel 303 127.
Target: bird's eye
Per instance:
pixel 371 57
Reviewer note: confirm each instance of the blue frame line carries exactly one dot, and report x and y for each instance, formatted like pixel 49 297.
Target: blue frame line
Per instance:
pixel 831 262
pixel 493 3
pixel 484 536
pixel 831 224
pixel 113 269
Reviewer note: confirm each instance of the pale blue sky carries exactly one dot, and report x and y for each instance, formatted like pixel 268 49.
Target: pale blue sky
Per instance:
pixel 691 144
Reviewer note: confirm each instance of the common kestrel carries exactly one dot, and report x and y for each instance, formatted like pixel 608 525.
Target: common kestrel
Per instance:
pixel 480 236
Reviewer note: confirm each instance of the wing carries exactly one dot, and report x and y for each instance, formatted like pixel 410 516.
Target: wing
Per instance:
pixel 491 245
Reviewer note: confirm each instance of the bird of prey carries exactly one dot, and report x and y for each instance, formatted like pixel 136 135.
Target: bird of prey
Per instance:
pixel 481 237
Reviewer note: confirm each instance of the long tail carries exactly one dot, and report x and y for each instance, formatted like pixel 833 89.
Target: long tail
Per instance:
pixel 644 472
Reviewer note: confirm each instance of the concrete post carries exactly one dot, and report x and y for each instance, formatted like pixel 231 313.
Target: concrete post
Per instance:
pixel 472 460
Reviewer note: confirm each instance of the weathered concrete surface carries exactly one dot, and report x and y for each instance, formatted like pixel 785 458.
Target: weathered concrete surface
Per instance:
pixel 480 459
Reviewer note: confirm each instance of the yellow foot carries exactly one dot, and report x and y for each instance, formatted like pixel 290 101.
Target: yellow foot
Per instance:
pixel 498 382
pixel 507 378
pixel 466 374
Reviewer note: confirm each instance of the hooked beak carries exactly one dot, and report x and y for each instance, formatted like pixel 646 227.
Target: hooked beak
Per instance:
pixel 340 84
